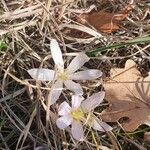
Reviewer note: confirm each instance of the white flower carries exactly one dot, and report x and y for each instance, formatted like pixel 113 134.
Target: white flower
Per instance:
pixel 39 148
pixel 64 75
pixel 78 113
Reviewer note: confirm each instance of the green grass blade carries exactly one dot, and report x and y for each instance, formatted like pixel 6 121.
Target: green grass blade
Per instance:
pixel 3 46
pixel 141 40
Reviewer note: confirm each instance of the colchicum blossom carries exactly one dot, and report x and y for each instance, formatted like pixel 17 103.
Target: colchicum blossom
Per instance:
pixel 62 75
pixel 81 113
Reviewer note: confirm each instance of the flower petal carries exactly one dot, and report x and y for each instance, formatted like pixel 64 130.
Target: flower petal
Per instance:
pixel 55 92
pixel 75 87
pixel 77 62
pixel 39 148
pixel 93 101
pixel 64 109
pixel 101 126
pixel 56 54
pixel 77 130
pixel 76 101
pixel 64 122
pixel 86 75
pixel 42 74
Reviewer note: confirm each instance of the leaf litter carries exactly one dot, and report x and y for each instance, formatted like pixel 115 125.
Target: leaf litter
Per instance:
pixel 104 21
pixel 129 96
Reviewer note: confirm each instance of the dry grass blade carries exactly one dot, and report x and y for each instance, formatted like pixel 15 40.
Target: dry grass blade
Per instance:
pixel 83 29
pixel 4 5
pixel 12 117
pixel 25 131
pixel 5 75
pixel 45 13
pixel 26 12
pixel 3 140
pixel 19 27
pixel 13 95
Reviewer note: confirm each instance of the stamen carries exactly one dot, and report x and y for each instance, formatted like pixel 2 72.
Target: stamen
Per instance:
pixel 77 114
pixel 62 76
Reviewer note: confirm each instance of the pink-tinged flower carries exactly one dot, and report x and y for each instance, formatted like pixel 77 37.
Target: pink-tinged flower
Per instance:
pixel 81 113
pixel 64 76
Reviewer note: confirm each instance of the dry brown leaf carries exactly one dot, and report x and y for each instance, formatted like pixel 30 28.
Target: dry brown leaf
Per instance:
pixel 129 96
pixel 103 21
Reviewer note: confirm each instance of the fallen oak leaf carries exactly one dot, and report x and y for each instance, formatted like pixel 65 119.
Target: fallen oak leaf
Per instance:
pixel 128 80
pixel 129 96
pixel 137 113
pixel 104 21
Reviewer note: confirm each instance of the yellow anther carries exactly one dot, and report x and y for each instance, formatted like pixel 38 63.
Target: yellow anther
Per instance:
pixel 62 76
pixel 77 114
